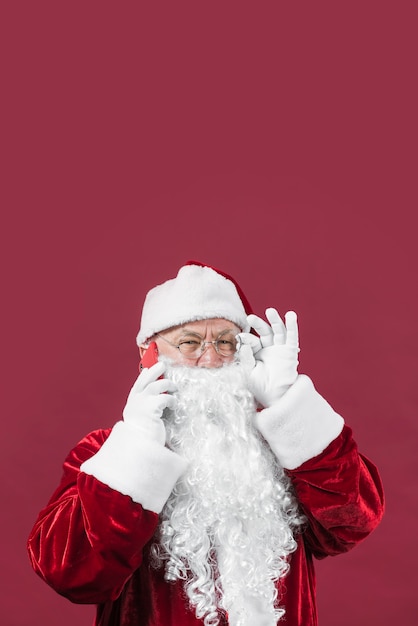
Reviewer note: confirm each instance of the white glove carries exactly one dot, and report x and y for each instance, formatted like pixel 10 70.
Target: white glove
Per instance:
pixel 147 400
pixel 273 357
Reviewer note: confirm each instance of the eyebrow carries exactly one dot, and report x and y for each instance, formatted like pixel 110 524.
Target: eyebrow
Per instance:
pixel 185 331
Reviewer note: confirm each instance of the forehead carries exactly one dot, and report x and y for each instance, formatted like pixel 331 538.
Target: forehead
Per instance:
pixel 201 327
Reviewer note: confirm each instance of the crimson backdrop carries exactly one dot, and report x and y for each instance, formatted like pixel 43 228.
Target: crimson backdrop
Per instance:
pixel 275 140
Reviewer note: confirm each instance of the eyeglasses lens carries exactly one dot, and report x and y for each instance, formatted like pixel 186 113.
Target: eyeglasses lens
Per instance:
pixel 225 346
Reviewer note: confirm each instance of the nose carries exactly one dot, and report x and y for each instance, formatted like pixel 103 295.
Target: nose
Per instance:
pixel 210 358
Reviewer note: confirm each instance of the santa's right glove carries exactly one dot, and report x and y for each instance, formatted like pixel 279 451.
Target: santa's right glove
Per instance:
pixel 134 460
pixel 147 400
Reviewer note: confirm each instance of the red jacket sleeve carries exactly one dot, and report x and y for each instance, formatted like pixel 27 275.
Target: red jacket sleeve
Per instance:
pixel 341 494
pixel 88 540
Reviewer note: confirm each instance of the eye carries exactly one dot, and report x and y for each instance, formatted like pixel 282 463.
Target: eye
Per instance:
pixel 226 345
pixel 190 342
pixel 227 339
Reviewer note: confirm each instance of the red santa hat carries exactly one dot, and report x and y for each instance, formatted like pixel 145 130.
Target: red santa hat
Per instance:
pixel 198 292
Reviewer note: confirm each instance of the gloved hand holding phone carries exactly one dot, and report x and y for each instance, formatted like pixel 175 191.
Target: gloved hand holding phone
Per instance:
pixel 148 398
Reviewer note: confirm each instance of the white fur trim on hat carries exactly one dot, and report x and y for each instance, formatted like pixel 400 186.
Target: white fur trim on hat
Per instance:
pixel 197 293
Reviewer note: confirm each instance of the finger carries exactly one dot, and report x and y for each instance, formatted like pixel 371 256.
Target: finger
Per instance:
pixel 158 387
pixel 277 325
pixel 262 328
pixel 163 401
pixel 156 370
pixel 246 357
pixel 248 339
pixel 170 402
pixel 148 375
pixel 292 334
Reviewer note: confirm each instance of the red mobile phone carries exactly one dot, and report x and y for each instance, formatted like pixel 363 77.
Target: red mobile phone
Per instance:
pixel 150 356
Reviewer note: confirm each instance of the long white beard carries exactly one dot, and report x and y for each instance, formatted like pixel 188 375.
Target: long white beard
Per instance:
pixel 227 528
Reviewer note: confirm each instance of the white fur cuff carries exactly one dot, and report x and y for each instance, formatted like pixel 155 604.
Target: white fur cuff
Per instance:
pixel 300 425
pixel 140 468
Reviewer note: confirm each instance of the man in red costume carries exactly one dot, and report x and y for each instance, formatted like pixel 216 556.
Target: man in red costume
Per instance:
pixel 228 473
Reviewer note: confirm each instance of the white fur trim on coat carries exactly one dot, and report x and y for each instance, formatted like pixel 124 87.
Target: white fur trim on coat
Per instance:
pixel 140 468
pixel 300 425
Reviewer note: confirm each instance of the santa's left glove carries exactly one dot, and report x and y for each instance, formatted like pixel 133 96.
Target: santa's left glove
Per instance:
pixel 134 460
pixel 271 359
pixel 296 421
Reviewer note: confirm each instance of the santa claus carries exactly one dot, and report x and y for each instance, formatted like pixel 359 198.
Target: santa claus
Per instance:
pixel 228 473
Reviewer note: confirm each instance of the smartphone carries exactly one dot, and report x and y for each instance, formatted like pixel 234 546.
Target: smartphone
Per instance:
pixel 150 356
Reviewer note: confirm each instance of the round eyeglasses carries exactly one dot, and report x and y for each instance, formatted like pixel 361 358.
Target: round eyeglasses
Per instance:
pixel 193 346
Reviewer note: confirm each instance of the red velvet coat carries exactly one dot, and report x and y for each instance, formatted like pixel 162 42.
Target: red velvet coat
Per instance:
pixel 91 543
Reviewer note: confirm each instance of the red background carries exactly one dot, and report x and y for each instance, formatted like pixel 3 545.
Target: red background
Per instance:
pixel 275 140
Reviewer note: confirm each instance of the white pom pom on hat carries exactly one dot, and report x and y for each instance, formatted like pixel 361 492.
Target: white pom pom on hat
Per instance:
pixel 198 292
